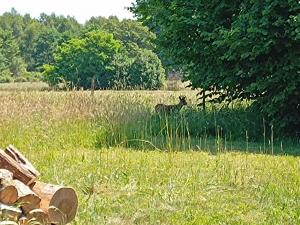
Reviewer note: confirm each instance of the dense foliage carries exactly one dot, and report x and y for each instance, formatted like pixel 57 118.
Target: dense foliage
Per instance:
pixel 127 31
pixel 30 46
pixel 29 43
pixel 235 50
pixel 79 61
pixel 137 68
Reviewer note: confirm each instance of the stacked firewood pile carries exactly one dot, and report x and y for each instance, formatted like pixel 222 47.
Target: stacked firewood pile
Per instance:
pixel 25 200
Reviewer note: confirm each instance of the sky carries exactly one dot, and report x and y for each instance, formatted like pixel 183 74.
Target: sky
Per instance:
pixel 82 10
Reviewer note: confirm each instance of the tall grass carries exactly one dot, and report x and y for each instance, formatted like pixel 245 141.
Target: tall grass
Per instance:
pixel 127 119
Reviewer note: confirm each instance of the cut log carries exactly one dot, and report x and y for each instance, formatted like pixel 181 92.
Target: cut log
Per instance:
pixel 13 152
pixel 60 203
pixel 23 221
pixel 27 199
pixel 37 216
pixel 8 195
pixel 19 172
pixel 9 212
pixel 8 192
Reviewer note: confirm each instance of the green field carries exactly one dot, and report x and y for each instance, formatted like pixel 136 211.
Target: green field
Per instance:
pixel 132 166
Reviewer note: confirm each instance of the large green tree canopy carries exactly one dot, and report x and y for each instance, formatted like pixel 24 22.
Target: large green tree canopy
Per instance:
pixel 128 31
pixel 82 59
pixel 137 68
pixel 28 43
pixel 100 57
pixel 246 49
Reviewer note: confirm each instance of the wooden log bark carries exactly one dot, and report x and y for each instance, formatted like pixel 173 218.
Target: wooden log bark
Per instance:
pixel 60 203
pixel 27 199
pixel 19 172
pixel 9 212
pixel 37 216
pixel 23 221
pixel 8 192
pixel 13 152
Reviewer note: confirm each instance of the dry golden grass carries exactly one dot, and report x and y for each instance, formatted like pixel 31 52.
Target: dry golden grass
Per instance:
pixel 74 104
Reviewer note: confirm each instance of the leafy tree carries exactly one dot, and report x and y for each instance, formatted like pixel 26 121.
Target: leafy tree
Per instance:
pixel 13 22
pixel 79 61
pixel 12 60
pixel 2 58
pixel 28 42
pixel 235 49
pixel 131 32
pixel 44 47
pixel 60 23
pixel 128 31
pixel 41 38
pixel 137 68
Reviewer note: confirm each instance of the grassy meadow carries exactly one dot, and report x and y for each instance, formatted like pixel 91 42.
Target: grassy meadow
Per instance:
pixel 132 166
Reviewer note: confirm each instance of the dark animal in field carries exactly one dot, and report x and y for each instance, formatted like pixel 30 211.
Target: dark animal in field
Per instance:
pixel 168 109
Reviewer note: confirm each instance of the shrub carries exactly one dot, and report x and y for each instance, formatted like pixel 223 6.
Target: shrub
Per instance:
pixel 137 68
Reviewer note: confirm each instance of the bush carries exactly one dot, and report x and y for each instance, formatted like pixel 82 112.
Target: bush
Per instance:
pixel 137 68
pixel 99 56
pixel 81 60
pixel 6 76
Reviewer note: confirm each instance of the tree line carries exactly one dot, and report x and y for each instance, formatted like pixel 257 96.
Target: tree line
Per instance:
pixel 57 49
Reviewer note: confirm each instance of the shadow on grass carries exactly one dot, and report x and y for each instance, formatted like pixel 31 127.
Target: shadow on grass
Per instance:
pixel 214 131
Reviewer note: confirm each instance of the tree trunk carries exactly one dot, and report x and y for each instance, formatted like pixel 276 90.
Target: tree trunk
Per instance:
pixel 93 83
pixel 203 99
pixel 60 203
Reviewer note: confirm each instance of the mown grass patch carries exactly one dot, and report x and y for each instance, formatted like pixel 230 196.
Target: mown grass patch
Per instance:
pixel 123 186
